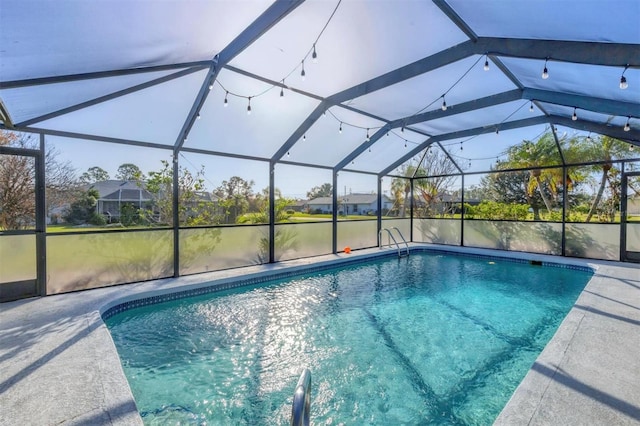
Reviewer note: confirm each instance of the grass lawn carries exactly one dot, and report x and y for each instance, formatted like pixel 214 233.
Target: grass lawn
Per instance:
pixel 306 217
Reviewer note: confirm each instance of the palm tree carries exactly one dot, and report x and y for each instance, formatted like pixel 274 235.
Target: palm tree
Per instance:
pixel 401 188
pixel 603 148
pixel 532 155
pixel 433 163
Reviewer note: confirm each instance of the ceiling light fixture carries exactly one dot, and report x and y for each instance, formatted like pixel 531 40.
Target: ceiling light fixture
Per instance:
pixel 249 106
pixel 282 89
pixel 531 107
pixel 444 104
pixel 304 137
pixel 574 117
pixel 314 55
pixel 302 73
pixel 226 102
pixel 486 63
pixel 211 86
pixel 545 71
pixel 340 129
pixel 198 116
pixel 623 79
pixel 627 126
pixel 368 138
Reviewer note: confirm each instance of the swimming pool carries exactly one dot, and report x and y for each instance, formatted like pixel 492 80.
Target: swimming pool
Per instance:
pixel 429 339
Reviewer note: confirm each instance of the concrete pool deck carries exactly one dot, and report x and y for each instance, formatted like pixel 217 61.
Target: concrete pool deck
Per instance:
pixel 58 364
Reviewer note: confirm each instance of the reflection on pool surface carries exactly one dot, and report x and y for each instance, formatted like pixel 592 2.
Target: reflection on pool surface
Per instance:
pixel 428 339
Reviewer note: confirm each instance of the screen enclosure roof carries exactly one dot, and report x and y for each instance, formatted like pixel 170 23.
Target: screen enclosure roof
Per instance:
pixel 358 85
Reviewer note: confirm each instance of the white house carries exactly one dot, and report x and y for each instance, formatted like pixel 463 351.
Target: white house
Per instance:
pixel 350 204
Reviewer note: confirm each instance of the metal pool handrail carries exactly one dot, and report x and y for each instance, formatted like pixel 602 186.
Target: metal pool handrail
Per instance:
pixel 391 237
pixel 302 400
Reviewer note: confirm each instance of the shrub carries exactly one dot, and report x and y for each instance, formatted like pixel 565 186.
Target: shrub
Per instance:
pixel 97 219
pixel 493 210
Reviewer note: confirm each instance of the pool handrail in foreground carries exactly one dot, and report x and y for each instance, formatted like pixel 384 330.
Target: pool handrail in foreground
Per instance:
pixel 301 407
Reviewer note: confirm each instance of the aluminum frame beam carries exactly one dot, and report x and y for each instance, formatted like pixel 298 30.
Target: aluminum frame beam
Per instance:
pixel 466 133
pixel 589 103
pixel 300 131
pixel 580 52
pixel 500 98
pixel 15 84
pixel 97 138
pixel 109 96
pixel 632 136
pixel 607 54
pixel 5 117
pixel 270 17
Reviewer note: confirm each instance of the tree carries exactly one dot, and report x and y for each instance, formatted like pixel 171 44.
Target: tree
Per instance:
pixel 128 171
pixel 234 196
pixel 437 167
pixel 285 237
pixel 94 174
pixel 512 188
pixel 83 209
pixel 532 155
pixel 193 207
pixel 605 148
pixel 400 189
pixel 324 190
pixel 60 182
pixel 17 182
pixel 17 191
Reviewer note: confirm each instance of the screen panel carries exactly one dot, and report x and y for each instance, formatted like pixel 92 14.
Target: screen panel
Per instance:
pixel 533 237
pixel 212 249
pixel 294 241
pixel 91 260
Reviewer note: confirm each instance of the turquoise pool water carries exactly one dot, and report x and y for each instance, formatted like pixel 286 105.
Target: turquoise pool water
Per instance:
pixel 429 339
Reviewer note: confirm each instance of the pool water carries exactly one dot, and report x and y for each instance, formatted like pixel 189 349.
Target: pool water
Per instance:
pixel 428 339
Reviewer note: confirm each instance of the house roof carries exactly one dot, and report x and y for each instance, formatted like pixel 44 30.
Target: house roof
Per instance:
pixel 349 199
pixel 123 190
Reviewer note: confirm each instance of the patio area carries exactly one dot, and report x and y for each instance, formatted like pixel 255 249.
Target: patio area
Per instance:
pixel 59 364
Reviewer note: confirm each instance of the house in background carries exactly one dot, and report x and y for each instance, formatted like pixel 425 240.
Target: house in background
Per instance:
pixel 115 194
pixel 363 204
pixel 320 205
pixel 298 206
pixel 350 204
pixel 633 205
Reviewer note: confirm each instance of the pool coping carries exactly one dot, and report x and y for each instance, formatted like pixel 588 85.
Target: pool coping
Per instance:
pixel 59 365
